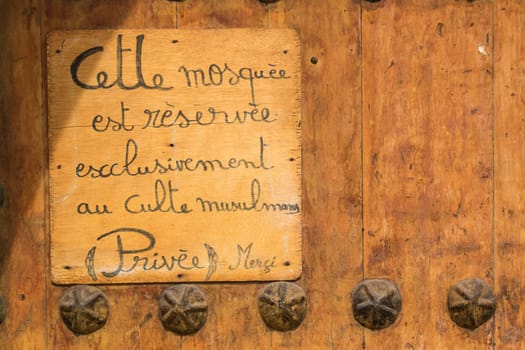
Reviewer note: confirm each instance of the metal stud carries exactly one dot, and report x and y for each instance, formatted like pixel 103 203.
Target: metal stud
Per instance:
pixel 84 309
pixel 471 303
pixel 183 309
pixel 376 303
pixel 282 306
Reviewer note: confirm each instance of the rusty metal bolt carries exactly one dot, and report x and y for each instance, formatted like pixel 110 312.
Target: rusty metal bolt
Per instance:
pixel 84 309
pixel 183 309
pixel 282 306
pixel 471 303
pixel 3 310
pixel 376 303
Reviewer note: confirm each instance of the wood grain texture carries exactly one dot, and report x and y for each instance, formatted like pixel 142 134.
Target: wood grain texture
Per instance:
pixel 428 172
pixel 22 244
pixel 234 321
pixel 427 71
pixel 509 201
pixel 221 14
pixel 133 322
pixel 204 151
pixel 329 32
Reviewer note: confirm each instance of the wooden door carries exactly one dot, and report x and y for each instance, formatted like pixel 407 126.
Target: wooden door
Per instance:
pixel 412 153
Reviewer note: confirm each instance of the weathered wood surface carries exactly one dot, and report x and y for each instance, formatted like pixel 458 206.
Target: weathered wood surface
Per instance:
pixel 441 201
pixel 509 170
pixel 231 304
pixel 332 166
pixel 23 260
pixel 135 325
pixel 427 97
pixel 194 165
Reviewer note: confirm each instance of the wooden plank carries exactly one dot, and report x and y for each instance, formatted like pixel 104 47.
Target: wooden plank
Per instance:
pixel 182 164
pixel 97 14
pixel 427 69
pixel 453 156
pixel 233 322
pixel 509 201
pixel 332 169
pixel 133 322
pixel 22 253
pixel 221 14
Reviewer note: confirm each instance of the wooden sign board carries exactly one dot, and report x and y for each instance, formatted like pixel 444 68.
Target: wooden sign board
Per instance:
pixel 174 155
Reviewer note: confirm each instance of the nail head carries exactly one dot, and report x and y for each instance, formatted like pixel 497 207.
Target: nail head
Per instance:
pixel 282 306
pixel 471 303
pixel 84 309
pixel 376 303
pixel 183 309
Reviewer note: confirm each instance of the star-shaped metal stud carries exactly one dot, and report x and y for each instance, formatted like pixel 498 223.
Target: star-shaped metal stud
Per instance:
pixel 282 306
pixel 84 309
pixel 376 303
pixel 471 303
pixel 183 309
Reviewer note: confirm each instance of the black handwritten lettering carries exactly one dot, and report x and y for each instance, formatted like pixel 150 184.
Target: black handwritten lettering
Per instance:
pixel 102 77
pixel 216 75
pixel 130 250
pixel 135 251
pixel 163 201
pixel 127 260
pixel 173 117
pixel 157 166
pixel 90 263
pixel 99 209
pixel 245 260
pixel 253 204
pixel 213 260
pixel 150 239
pixel 101 124
pixel 165 119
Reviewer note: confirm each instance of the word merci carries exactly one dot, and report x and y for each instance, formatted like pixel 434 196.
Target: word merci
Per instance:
pixel 213 76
